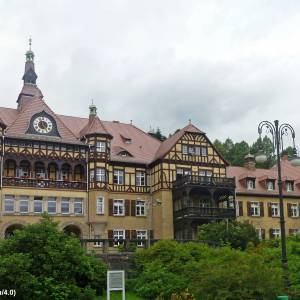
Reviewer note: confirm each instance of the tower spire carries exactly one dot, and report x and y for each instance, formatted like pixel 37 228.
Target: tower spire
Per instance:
pixel 29 76
pixel 93 109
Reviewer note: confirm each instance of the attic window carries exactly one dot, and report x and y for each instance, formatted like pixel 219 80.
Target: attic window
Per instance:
pixel 126 139
pixel 124 153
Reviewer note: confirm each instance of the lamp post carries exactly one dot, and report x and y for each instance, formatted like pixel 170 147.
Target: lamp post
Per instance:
pixel 277 133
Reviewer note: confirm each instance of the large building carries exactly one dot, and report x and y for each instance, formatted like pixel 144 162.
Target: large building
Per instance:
pixel 257 196
pixel 103 179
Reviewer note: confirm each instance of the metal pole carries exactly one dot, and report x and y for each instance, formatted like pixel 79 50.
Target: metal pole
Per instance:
pixel 282 221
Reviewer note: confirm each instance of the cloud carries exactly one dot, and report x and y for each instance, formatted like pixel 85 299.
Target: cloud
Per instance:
pixel 224 64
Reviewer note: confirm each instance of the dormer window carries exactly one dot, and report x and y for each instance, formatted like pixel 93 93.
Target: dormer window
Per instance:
pixel 289 186
pixel 270 185
pixel 100 147
pixel 124 153
pixel 250 183
pixel 126 139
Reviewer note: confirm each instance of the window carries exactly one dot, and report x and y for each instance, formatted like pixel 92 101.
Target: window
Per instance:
pixel 118 207
pixel 294 231
pixel 191 150
pixel 140 178
pixel 294 210
pixel 100 205
pixel 250 184
pixel 100 146
pixel 24 200
pixel 9 203
pixel 255 209
pixel 209 173
pixel 203 151
pixel 65 205
pixel 78 206
pixel 92 175
pixel 197 150
pixel 98 244
pixel 276 233
pixel 289 186
pixel 38 204
pixel 202 173
pixel 141 235
pixel 118 177
pixel 119 236
pixel 259 232
pixel 140 207
pixel 270 185
pixel 275 209
pixel 51 205
pixel 184 149
pixel 100 174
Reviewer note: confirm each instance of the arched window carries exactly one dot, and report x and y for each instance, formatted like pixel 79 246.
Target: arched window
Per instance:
pixel 79 173
pixel 24 169
pixel 39 170
pixel 52 171
pixel 66 172
pixel 10 168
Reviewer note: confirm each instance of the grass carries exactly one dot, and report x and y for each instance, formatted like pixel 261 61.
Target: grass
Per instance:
pixel 118 296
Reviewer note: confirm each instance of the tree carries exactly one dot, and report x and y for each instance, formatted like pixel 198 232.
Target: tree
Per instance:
pixel 42 262
pixel 265 145
pixel 157 134
pixel 237 234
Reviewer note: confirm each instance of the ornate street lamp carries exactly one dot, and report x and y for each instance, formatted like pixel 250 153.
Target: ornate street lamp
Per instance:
pixel 277 133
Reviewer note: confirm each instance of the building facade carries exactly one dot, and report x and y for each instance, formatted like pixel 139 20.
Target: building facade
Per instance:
pixel 257 197
pixel 102 179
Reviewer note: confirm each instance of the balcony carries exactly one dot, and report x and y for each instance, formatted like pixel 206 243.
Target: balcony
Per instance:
pixel 205 181
pixel 204 213
pixel 44 183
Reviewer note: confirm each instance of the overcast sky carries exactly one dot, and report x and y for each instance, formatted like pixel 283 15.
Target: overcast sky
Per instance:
pixel 224 64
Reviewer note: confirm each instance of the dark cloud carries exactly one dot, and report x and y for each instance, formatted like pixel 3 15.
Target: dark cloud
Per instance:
pixel 224 64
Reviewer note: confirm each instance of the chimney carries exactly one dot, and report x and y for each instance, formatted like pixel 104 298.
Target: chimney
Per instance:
pixel 249 162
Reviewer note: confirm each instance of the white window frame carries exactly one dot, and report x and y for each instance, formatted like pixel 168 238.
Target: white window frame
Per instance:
pixel 255 209
pixel 141 234
pixel 294 210
pixel 289 186
pixel 204 151
pixel 65 200
pixel 98 244
pixel 100 175
pixel 40 201
pixel 118 234
pixel 250 184
pixel 24 199
pixel 184 149
pixel 276 233
pixel 11 200
pixel 140 208
pixel 275 208
pixel 120 207
pixel 296 231
pixel 119 176
pixel 140 178
pixel 92 175
pixel 51 200
pixel 259 233
pixel 101 146
pixel 198 150
pixel 100 205
pixel 76 202
pixel 270 185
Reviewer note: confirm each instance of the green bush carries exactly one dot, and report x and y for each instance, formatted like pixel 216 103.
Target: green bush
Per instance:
pixel 41 262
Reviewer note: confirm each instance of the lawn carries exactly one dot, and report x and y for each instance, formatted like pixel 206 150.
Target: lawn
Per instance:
pixel 118 296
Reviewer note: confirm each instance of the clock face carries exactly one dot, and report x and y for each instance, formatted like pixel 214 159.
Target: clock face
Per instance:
pixel 42 125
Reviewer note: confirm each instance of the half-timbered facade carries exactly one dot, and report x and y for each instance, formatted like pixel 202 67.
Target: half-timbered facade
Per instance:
pixel 104 179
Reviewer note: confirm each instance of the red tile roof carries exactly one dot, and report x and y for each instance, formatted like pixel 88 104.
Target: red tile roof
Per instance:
pixel 288 173
pixel 94 125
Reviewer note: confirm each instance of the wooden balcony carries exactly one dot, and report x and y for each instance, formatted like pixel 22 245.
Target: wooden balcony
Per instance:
pixel 205 181
pixel 43 183
pixel 195 213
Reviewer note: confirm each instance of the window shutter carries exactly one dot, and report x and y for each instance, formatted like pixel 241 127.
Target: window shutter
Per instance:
pixel 271 233
pixel 110 236
pixel 133 208
pixel 111 207
pixel 151 234
pixel 240 208
pixel 127 234
pixel 133 234
pixel 270 209
pixel 127 207
pixel 289 209
pixel 249 208
pixel 262 213
pixel 263 234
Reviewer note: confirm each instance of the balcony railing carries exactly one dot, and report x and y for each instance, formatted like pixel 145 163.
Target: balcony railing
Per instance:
pixel 204 213
pixel 204 181
pixel 44 183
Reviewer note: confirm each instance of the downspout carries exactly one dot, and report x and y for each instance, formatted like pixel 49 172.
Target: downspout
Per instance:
pixel 87 187
pixel 1 175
